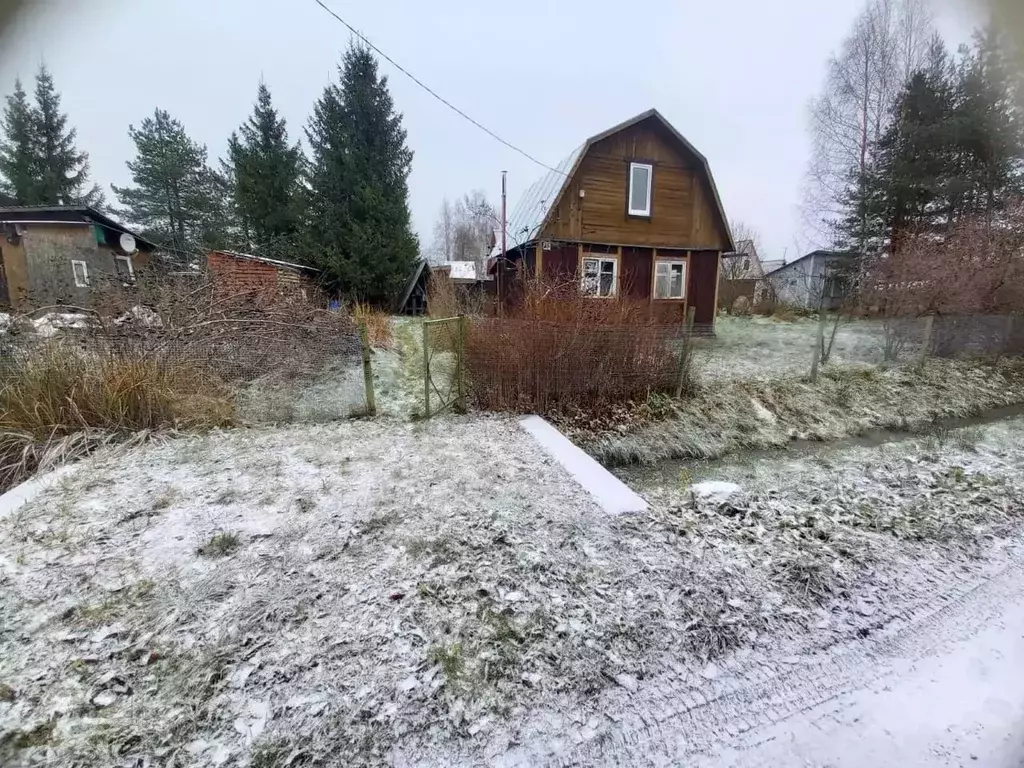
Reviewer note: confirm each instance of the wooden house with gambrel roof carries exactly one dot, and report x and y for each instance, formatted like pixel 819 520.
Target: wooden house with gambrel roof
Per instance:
pixel 632 212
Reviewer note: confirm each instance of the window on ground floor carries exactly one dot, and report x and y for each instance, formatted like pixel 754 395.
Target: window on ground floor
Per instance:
pixel 600 275
pixel 669 279
pixel 123 265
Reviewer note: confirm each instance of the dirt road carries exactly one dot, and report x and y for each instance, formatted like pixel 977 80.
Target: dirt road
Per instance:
pixel 961 704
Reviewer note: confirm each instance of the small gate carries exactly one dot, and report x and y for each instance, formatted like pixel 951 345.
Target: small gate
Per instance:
pixel 444 365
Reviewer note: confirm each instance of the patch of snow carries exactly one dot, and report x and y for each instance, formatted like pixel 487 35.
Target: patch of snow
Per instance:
pixel 715 494
pixel 140 315
pixel 6 322
pixel 763 413
pixel 52 323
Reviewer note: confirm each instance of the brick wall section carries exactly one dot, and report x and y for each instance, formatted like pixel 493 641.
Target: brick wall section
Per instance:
pixel 236 275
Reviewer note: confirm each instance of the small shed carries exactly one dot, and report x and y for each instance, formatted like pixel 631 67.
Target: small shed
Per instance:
pixel 246 273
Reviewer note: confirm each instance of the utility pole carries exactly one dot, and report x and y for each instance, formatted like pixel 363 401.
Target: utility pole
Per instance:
pixel 504 244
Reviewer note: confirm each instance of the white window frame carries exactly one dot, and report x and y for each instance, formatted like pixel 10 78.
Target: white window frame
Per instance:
pixel 127 260
pixel 650 182
pixel 600 258
pixel 84 281
pixel 671 263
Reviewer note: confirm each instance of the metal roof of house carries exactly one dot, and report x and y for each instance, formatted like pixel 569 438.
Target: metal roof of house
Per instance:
pixel 530 213
pixel 57 214
pixel 289 265
pixel 819 252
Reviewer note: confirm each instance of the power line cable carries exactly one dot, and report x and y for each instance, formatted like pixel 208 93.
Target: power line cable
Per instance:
pixel 433 93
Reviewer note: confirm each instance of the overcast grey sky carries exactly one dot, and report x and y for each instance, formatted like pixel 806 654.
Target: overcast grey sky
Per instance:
pixel 734 76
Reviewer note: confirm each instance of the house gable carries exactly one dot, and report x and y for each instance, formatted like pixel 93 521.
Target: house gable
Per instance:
pixel 686 212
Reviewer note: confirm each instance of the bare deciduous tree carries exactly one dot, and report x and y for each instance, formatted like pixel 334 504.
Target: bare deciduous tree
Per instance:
pixel 463 230
pixel 887 43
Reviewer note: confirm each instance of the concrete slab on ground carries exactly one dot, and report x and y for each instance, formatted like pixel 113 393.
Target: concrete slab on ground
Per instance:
pixel 611 494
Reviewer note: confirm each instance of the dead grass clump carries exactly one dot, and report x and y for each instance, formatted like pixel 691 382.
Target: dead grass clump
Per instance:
pixel 377 322
pixel 220 545
pixel 58 402
pixel 562 349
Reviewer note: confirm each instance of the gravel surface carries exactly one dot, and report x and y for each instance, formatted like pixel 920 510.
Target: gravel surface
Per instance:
pixel 439 594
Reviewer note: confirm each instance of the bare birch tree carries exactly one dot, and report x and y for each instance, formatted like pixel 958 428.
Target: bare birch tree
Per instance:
pixel 888 42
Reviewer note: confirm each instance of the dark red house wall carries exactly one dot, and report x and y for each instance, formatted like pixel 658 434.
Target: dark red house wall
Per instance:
pixel 636 272
pixel 703 282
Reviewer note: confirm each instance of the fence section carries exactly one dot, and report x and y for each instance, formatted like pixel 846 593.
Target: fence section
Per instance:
pixel 282 363
pixel 444 365
pixel 532 365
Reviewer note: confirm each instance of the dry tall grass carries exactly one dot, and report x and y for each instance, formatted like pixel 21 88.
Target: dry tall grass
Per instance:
pixel 55 391
pixel 561 349
pixel 377 322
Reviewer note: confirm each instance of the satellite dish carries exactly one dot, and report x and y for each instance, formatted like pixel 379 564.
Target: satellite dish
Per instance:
pixel 127 243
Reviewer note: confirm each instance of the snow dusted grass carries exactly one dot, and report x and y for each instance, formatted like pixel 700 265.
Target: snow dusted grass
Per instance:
pixel 766 348
pixel 729 416
pixel 432 585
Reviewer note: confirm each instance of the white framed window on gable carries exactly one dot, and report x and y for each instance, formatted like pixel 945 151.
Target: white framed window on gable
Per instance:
pixel 600 275
pixel 81 272
pixel 640 176
pixel 670 279
pixel 123 267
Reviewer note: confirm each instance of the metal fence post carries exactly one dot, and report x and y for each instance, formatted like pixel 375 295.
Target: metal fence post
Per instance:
pixel 461 365
pixel 371 399
pixel 926 342
pixel 819 341
pixel 426 370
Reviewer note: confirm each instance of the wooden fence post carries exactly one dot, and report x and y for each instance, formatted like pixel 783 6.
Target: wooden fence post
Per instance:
pixel 371 399
pixel 926 342
pixel 819 341
pixel 685 351
pixel 426 370
pixel 460 403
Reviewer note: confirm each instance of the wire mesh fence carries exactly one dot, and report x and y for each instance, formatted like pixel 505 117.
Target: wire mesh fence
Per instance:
pixel 756 347
pixel 532 365
pixel 283 360
pixel 444 365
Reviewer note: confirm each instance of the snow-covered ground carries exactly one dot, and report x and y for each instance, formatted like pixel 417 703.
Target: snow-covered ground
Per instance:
pixel 763 347
pixel 440 593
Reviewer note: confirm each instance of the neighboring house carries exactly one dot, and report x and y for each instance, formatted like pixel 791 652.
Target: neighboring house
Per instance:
pixel 56 254
pixel 413 300
pixel 245 273
pixel 819 279
pixel 633 212
pixel 742 275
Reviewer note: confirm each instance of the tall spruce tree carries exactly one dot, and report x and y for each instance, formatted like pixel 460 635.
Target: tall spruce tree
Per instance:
pixel 176 198
pixel 61 172
pixel 990 129
pixel 17 176
pixel 265 171
pixel 909 184
pixel 359 227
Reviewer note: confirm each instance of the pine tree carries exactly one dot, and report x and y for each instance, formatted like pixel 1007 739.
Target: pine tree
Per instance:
pixel 359 212
pixel 265 171
pixel 176 198
pixel 17 177
pixel 61 172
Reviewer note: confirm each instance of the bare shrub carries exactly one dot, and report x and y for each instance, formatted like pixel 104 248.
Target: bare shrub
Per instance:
pixel 560 348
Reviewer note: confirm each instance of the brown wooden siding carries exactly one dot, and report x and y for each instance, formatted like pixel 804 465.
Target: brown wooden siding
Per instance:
pixel 683 211
pixel 636 272
pixel 703 282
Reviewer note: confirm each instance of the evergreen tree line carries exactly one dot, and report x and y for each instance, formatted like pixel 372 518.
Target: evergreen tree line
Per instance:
pixel 342 207
pixel 952 149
